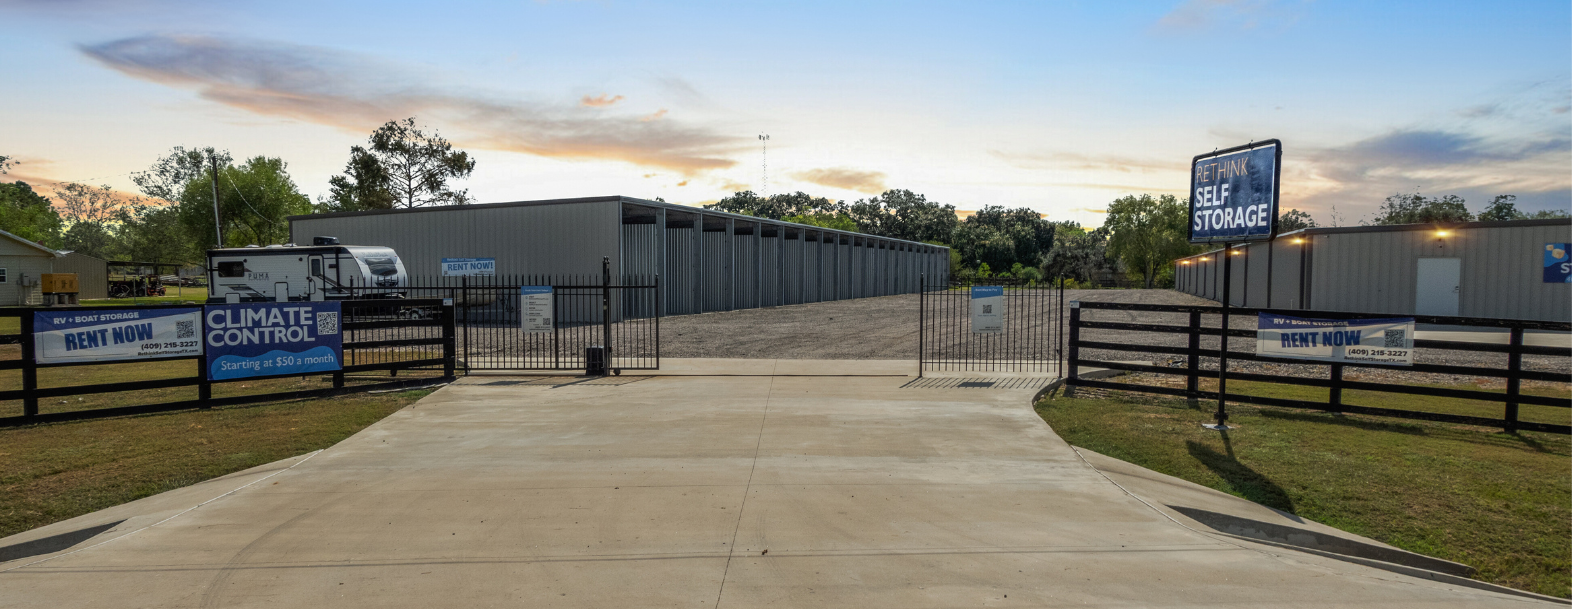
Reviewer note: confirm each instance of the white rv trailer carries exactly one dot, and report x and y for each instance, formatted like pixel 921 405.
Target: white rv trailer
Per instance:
pixel 324 270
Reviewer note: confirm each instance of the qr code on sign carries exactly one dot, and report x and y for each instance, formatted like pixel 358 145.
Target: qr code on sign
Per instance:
pixel 185 329
pixel 987 309
pixel 327 323
pixel 1397 339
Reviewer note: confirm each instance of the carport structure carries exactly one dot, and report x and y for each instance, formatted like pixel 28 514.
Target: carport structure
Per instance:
pixel 707 260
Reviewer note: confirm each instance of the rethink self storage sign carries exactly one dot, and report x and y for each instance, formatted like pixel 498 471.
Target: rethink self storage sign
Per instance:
pixel 270 339
pixel 115 334
pixel 1233 194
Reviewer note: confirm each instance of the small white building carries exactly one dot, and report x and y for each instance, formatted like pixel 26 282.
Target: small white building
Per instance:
pixel 22 262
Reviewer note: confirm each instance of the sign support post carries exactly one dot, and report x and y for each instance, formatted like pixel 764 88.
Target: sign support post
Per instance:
pixel 1222 351
pixel 1233 199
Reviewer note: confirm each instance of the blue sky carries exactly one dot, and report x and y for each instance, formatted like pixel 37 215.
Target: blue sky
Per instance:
pixel 1057 106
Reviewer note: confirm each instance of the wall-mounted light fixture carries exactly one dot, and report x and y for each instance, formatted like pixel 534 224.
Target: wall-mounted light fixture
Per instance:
pixel 1298 240
pixel 1442 234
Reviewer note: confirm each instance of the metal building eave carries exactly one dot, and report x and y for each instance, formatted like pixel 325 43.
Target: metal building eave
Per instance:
pixel 687 209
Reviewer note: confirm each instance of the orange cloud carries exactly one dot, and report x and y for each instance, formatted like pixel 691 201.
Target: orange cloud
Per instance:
pixel 358 94
pixel 599 102
pixel 682 183
pixel 658 113
pixel 870 182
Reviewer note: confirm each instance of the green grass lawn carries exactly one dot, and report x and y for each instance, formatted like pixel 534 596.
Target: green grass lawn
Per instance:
pixel 49 473
pixel 1499 502
pixel 174 294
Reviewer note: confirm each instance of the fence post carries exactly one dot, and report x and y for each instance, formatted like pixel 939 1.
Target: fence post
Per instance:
pixel 922 319
pixel 204 384
pixel 464 290
pixel 29 367
pixel 605 307
pixel 1192 380
pixel 1075 343
pixel 1335 395
pixel 1514 386
pixel 449 338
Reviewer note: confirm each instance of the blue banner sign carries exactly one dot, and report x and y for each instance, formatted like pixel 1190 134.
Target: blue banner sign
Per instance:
pixel 1558 263
pixel 1382 341
pixel 460 267
pixel 1233 194
pixel 105 335
pixel 272 338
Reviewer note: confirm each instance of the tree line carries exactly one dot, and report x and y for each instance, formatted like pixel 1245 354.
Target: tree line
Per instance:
pixel 404 165
pixel 171 219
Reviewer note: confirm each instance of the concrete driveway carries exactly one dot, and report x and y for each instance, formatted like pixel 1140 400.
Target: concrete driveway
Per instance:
pixel 687 491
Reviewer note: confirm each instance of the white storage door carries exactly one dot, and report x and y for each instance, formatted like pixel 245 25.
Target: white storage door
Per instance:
pixel 1439 286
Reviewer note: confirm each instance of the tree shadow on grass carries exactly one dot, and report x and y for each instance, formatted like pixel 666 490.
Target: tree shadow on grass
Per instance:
pixel 1247 482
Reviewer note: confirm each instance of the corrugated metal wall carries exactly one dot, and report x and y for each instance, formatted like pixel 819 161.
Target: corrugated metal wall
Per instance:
pixel 92 274
pixel 1376 271
pixel 786 264
pixel 556 239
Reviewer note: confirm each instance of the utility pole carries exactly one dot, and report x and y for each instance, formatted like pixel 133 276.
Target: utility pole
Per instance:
pixel 217 232
pixel 766 190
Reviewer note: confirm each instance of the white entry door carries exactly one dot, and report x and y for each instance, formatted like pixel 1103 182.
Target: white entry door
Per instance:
pixel 1439 286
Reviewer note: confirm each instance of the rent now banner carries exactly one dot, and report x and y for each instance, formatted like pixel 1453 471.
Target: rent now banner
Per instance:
pixel 115 334
pixel 272 338
pixel 1380 341
pixel 469 267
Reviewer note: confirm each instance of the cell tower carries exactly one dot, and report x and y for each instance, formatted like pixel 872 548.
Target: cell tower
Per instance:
pixel 765 191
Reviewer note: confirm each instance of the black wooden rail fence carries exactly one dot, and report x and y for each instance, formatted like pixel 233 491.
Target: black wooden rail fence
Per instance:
pixel 1335 382
pixel 378 335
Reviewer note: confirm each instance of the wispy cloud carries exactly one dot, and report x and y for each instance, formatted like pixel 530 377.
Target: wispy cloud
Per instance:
pixel 1085 162
pixel 870 182
pixel 358 94
pixel 653 116
pixel 599 102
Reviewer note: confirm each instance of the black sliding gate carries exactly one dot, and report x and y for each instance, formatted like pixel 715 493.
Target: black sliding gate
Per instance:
pixel 1030 339
pixel 587 311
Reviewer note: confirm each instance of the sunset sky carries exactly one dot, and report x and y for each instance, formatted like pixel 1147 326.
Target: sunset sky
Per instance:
pixel 1057 106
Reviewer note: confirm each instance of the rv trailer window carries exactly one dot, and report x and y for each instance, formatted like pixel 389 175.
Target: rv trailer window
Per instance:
pixel 316 267
pixel 232 269
pixel 382 266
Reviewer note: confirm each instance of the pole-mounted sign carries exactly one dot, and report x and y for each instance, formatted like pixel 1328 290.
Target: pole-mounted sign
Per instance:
pixel 1233 193
pixel 1233 199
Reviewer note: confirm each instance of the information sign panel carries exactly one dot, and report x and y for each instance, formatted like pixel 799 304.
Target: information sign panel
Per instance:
pixel 987 309
pixel 1558 263
pixel 536 300
pixel 1233 194
pixel 272 338
pixel 469 267
pixel 106 335
pixel 1364 341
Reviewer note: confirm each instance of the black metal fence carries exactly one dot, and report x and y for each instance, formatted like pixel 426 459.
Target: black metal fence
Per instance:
pixel 1149 341
pixel 378 335
pixel 587 311
pixel 1030 339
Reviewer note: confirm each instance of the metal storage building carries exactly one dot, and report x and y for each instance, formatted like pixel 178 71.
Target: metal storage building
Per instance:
pixel 707 260
pixel 92 274
pixel 22 263
pixel 1474 269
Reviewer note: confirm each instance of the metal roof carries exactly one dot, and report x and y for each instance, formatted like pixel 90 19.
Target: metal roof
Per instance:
pixel 686 209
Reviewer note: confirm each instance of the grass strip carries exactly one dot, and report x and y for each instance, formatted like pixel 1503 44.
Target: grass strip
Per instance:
pixel 1499 502
pixel 50 473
